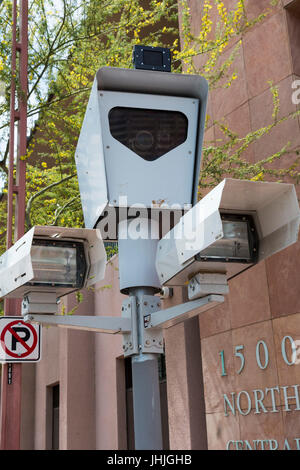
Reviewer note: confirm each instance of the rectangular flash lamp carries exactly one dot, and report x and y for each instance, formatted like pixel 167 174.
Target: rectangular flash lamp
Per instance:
pixel 239 243
pixel 58 263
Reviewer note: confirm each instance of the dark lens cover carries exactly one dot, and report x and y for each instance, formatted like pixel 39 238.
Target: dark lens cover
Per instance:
pixel 150 133
pixel 153 58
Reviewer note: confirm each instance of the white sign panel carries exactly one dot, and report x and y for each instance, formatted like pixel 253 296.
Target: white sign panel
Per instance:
pixel 19 341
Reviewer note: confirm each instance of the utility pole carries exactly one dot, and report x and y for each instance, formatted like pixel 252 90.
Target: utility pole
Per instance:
pixel 12 373
pixel 142 348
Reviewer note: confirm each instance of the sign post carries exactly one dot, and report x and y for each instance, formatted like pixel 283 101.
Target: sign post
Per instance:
pixel 10 410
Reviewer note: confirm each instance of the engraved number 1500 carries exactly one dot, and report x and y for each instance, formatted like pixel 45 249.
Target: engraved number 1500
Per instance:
pixel 262 354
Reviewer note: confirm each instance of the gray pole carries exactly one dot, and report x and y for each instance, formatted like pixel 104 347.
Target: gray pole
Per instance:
pixel 138 278
pixel 146 394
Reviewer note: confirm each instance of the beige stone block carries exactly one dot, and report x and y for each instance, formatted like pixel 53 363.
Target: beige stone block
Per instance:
pixel 177 388
pixel 259 371
pixel 293 21
pixel 262 45
pixel 288 372
pixel 227 99
pixel 283 273
pixel 265 426
pixel 215 385
pixel 238 122
pixel 286 132
pixel 255 8
pixel 221 430
pixel 215 320
pixel 248 295
pixel 291 428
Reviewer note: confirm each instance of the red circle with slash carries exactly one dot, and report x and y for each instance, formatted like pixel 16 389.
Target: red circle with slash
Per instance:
pixel 9 329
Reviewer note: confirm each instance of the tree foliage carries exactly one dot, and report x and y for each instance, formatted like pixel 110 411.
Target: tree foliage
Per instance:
pixel 68 41
pixel 203 54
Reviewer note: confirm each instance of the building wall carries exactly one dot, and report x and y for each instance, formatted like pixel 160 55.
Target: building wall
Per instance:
pixel 205 354
pixel 85 366
pixel 263 304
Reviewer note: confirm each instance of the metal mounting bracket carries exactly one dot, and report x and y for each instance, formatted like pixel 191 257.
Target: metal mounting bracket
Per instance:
pixel 39 302
pixel 138 340
pixel 42 307
pixel 151 340
pixel 141 324
pixel 130 339
pixel 111 325
pixel 173 315
pixel 204 284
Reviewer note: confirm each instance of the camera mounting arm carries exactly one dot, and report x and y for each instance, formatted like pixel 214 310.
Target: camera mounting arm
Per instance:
pixel 179 313
pixel 111 325
pixel 42 308
pixel 140 333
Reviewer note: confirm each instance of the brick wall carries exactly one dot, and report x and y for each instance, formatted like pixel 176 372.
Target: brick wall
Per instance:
pixel 263 306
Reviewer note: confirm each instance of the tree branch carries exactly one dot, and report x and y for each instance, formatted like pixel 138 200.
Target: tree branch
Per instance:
pixel 61 209
pixel 51 48
pixel 39 193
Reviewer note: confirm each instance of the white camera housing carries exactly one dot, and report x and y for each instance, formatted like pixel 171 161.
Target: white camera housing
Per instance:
pixel 274 209
pixel 110 173
pixel 16 265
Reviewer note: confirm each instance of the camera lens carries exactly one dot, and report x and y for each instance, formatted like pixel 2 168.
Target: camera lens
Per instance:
pixel 144 141
pixel 150 133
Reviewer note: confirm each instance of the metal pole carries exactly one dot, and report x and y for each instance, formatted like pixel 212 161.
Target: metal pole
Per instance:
pixel 138 278
pixel 12 373
pixel 146 392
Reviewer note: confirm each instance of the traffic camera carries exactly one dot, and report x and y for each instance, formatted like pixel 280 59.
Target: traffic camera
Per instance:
pixel 236 225
pixel 140 144
pixel 52 260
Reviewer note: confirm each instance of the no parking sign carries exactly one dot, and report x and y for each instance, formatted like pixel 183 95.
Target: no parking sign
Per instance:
pixel 19 341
